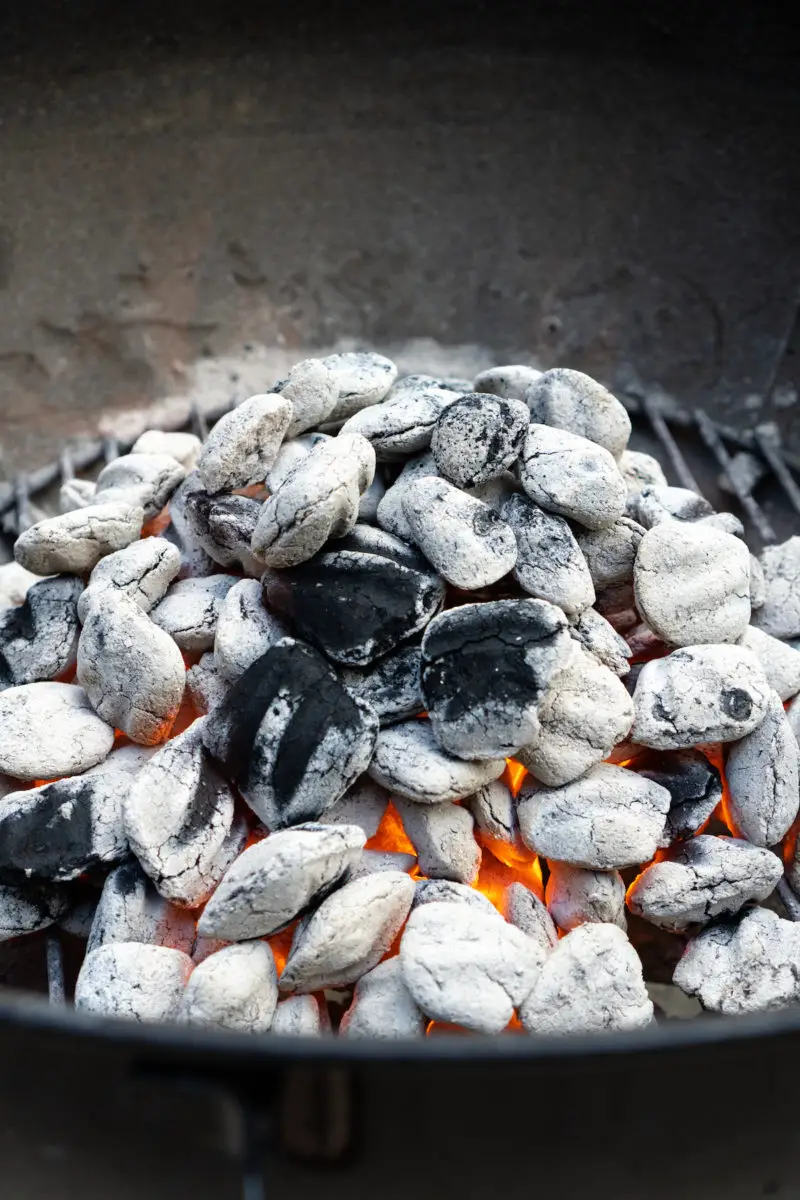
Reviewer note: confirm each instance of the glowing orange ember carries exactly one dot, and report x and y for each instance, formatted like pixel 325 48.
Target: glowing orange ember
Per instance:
pixel 391 835
pixel 495 876
pixel 513 775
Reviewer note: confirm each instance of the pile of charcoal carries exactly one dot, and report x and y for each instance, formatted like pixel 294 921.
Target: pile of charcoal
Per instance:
pixel 401 704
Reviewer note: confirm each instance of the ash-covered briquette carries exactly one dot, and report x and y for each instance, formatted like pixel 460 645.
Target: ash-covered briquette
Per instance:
pixel 185 447
pixel 572 401
pixel 235 988
pixel 205 683
pixel 280 878
pixel 572 477
pixel 291 453
pixel 221 527
pixel 698 695
pixel 477 437
pixel 549 564
pixel 657 504
pixel 464 539
pixel 298 1016
pixel 398 428
pixel 494 810
pixel 74 542
pixel 695 788
pixel 447 891
pixel 180 820
pixel 349 933
pixel 382 1006
pixel 600 639
pixel 132 670
pixel 363 804
pixel 524 909
pixel 763 779
pixel 138 982
pixel 48 730
pixel 408 761
pixel 780 612
pixel 576 896
pixel 703 878
pixel 610 819
pixel 359 600
pixel 76 493
pixel 131 910
pixel 312 390
pixel 391 686
pixel 747 964
pixel 511 381
pixel 39 639
pixel 485 670
pixel 639 471
pixel 390 513
pixel 443 837
pixel 190 610
pixel 241 447
pixel 27 908
pixel 592 981
pixel 142 479
pixel 290 736
pixel 611 552
pixel 362 378
pixel 15 583
pixel 466 968
pixel 245 631
pixel 779 661
pixel 383 860
pixel 142 571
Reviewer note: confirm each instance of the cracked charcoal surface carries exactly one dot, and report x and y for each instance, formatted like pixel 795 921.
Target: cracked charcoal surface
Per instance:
pixel 584 713
pixel 184 447
pixel 245 629
pixel 362 378
pixel 312 390
pixel 442 835
pixel 779 661
pixel 190 610
pixel 235 988
pixel 131 910
pixel 763 778
pixel 591 982
pixel 466 968
pixel 398 428
pixel 291 453
pixel 39 639
pixel 695 787
pixel 289 736
pixel 180 820
pixel 704 878
pixel 578 897
pixel 570 400
pixel 74 542
pixel 524 909
pixel 318 500
pixel 495 812
pixel 600 639
pixel 749 964
pixel 242 446
pixel 382 1006
pixel 144 479
pixel 349 933
pixel 511 381
pixel 48 730
pixel 140 983
pixel 360 600
pixel 27 908
pixel 390 514
pixel 408 761
pixel 446 891
pixel 611 818
pixel 391 686
pixel 572 477
pixel 692 584
pixel 132 671
pixel 699 694
pixel 658 504
pixel 550 565
pixel 465 540
pixel 142 571
pixel 206 685
pixel 297 1016
pixel 780 612
pixel 220 526
pixel 485 670
pixel 611 552
pixel 478 437
pixel 280 878
pixel 363 804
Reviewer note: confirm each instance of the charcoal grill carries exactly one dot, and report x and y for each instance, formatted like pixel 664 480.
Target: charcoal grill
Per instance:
pixel 700 1109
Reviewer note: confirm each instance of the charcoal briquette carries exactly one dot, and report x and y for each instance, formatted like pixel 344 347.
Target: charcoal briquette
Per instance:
pixel 134 981
pixel 572 477
pixel 142 571
pixel 48 730
pixel 236 988
pixel 242 446
pixel 382 1006
pixel 572 401
pixel 190 610
pixel 39 638
pixel 550 565
pixel 409 761
pixel 74 542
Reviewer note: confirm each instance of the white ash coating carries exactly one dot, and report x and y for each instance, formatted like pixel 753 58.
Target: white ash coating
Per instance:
pixel 142 571
pixel 382 1006
pixel 391 686
pixel 14 584
pixel 692 584
pixel 190 610
pixel 445 891
pixel 576 896
pixel 409 762
pixel 274 880
pixel 478 437
pixel 763 773
pixel 317 500
pixel 758 583
pixel 399 427
pixel 611 552
pixel 28 908
pixel 290 453
pixel 442 835
pixel 779 661
pixel 235 988
pixel 132 671
pixel 703 878
pixel 494 810
pixel 549 564
pixel 242 446
pixel 585 711
pixel 591 982
pixel 466 968
pixel 48 730
pixel 39 639
pixel 75 542
pixel 600 639
pixel 383 860
pixel 219 527
pixel 699 694
pixel 390 514
pixel 144 479
pixel 609 819
pixel 724 521
pixel 570 400
pixel 572 477
pixel 131 910
pixel 524 909
pixel 138 982
pixel 180 821
pixel 780 612
pixel 183 447
pixel 76 493
pixel 744 965
pixel 297 1016
pixel 658 504
pixel 511 381
pixel 362 378
pixel 206 685
pixel 312 389
pixel 245 629
pixel 349 933
pixel 363 804
pixel 465 540
pixel 639 471
pixel 496 491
